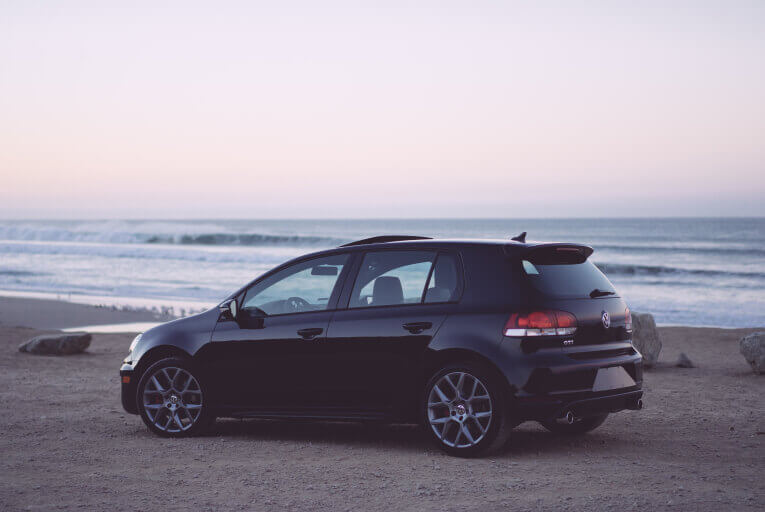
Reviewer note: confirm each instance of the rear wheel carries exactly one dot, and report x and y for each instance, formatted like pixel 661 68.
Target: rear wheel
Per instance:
pixel 465 411
pixel 171 399
pixel 578 427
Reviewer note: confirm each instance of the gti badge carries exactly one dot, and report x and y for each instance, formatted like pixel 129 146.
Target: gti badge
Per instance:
pixel 606 320
pixel 568 342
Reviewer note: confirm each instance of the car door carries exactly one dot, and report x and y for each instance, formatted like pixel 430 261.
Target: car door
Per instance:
pixel 376 346
pixel 264 359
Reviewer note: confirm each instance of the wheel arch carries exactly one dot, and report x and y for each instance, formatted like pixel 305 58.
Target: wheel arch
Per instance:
pixel 157 353
pixel 440 358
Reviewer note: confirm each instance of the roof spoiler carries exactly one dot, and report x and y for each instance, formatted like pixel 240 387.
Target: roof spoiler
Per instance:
pixel 557 253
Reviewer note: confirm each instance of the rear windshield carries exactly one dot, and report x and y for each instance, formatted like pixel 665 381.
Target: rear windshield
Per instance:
pixel 577 280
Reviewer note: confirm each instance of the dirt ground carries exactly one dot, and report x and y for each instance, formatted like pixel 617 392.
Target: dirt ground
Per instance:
pixel 66 443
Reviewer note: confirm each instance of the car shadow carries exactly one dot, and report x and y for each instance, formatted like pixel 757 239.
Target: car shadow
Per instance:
pixel 525 440
pixel 329 432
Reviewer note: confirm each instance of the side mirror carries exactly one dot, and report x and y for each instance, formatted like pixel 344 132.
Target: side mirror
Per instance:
pixel 252 318
pixel 229 308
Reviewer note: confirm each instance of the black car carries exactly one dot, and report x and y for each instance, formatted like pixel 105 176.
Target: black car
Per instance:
pixel 468 337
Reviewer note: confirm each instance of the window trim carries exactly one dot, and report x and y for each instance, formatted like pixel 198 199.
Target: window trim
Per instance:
pixel 430 276
pixel 347 292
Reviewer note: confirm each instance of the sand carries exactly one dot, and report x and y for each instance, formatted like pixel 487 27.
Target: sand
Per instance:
pixel 52 314
pixel 66 443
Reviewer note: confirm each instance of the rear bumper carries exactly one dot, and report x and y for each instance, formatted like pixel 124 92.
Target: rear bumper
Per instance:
pixel 547 383
pixel 549 408
pixel 128 389
pixel 599 405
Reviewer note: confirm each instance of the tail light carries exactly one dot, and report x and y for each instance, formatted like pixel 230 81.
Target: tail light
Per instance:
pixel 541 323
pixel 628 320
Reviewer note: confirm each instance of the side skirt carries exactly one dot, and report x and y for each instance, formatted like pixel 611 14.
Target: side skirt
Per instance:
pixel 310 414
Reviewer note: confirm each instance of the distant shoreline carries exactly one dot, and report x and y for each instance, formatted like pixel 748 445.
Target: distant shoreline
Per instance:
pixel 97 218
pixel 133 309
pixel 57 314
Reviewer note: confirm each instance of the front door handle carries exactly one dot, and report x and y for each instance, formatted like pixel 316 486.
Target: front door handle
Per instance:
pixel 310 333
pixel 417 327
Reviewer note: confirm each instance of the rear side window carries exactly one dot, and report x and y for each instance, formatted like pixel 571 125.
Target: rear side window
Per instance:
pixel 566 280
pixel 389 278
pixel 442 286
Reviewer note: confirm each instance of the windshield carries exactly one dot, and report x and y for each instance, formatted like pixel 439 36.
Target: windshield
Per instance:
pixel 578 280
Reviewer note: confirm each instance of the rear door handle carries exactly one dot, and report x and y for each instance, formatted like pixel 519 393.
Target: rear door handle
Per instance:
pixel 310 333
pixel 417 327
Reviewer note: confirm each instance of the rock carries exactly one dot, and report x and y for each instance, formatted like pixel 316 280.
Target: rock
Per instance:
pixel 57 344
pixel 684 361
pixel 753 349
pixel 645 337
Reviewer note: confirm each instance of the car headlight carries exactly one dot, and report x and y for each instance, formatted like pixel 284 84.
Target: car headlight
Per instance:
pixel 134 343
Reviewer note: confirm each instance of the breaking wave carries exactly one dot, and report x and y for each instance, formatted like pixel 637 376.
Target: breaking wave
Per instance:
pixel 250 239
pixel 743 250
pixel 121 232
pixel 657 270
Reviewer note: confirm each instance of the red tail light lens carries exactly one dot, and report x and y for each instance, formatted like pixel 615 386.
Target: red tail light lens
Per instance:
pixel 628 320
pixel 541 323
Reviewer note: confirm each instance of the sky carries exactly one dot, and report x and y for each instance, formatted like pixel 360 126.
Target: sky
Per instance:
pixel 381 109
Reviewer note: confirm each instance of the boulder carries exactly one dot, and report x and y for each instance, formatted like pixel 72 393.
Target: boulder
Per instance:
pixel 645 337
pixel 57 344
pixel 753 349
pixel 683 361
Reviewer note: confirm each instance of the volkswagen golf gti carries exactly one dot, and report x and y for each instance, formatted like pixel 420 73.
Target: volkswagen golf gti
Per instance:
pixel 467 337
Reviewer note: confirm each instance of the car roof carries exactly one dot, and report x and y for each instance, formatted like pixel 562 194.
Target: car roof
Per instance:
pixel 434 243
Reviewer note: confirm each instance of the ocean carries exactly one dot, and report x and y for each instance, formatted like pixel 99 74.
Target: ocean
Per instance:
pixel 686 271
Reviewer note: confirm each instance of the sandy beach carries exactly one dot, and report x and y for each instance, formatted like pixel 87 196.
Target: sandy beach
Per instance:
pixel 53 314
pixel 699 444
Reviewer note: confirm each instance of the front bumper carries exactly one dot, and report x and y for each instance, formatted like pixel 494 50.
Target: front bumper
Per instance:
pixel 128 390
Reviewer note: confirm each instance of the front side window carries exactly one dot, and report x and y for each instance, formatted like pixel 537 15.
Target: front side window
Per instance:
pixel 305 286
pixel 389 278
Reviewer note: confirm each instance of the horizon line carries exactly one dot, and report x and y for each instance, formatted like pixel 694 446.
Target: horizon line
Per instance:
pixel 191 218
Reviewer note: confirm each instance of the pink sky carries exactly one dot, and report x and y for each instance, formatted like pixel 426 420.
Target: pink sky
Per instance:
pixel 282 109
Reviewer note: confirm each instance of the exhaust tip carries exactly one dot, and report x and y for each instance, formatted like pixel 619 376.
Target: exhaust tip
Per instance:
pixel 569 417
pixel 639 404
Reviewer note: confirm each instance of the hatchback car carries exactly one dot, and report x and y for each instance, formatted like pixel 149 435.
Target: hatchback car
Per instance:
pixel 467 337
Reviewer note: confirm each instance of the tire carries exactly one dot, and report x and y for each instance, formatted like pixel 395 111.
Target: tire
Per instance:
pixel 464 410
pixel 579 427
pixel 171 404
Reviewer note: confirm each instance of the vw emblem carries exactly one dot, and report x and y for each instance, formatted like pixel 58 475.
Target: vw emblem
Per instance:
pixel 606 320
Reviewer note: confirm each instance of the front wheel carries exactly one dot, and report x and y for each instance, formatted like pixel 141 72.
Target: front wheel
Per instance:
pixel 465 411
pixel 579 427
pixel 171 399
